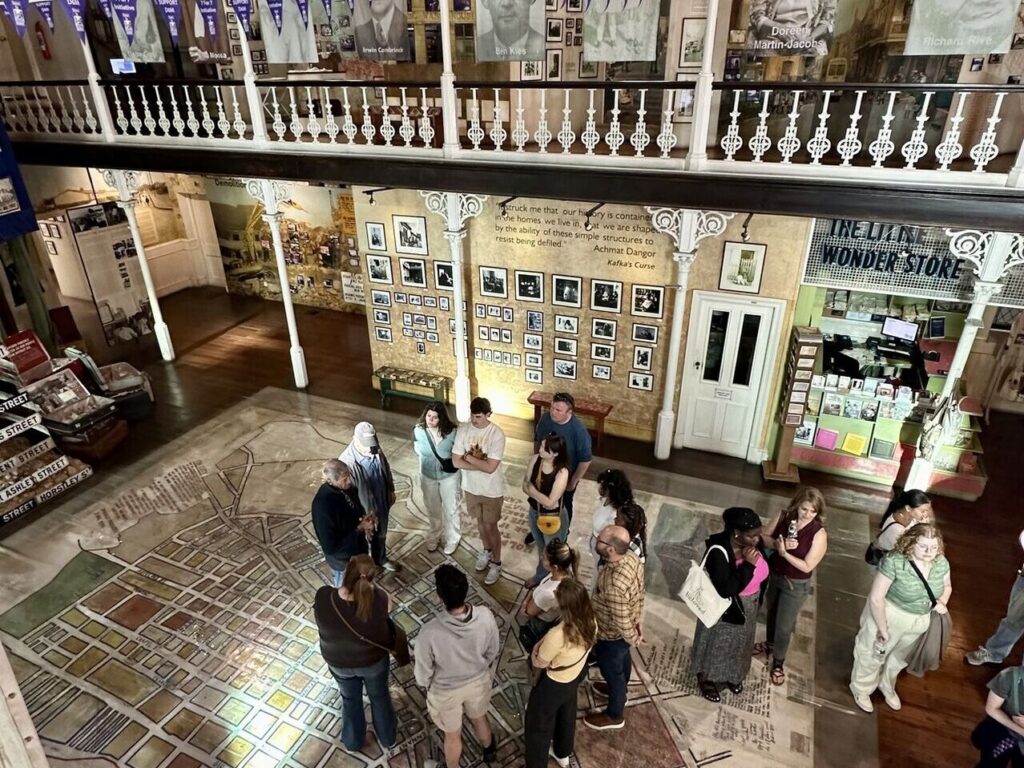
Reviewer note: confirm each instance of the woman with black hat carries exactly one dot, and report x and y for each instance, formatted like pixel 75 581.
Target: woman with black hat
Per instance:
pixel 737 567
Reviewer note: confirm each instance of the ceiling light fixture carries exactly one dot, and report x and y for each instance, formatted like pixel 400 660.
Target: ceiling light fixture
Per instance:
pixel 503 207
pixel 370 192
pixel 745 234
pixel 587 224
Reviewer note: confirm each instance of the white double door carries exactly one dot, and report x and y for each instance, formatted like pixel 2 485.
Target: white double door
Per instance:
pixel 729 349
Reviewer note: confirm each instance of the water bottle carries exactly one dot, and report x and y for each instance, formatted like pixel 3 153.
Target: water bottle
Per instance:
pixel 791 531
pixel 879 648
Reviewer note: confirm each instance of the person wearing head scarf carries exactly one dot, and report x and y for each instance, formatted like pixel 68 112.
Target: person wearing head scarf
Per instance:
pixel 736 564
pixel 371 474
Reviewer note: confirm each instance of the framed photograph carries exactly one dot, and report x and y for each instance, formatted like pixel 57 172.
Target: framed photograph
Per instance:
pixel 484 332
pixel 742 266
pixel 534 321
pixel 506 358
pixel 419 319
pixel 567 324
pixel 603 372
pixel 574 6
pixel 683 98
pixel 431 322
pixel 493 310
pixel 534 360
pixel 554 30
pixel 603 352
pixel 480 310
pixel 414 272
pixel 587 69
pixel 553 61
pixel 443 303
pixel 566 291
pixel 382 316
pixel 506 335
pixel 507 315
pixel 642 381
pixel 568 39
pixel 529 286
pixel 494 282
pixel 534 377
pixel 378 269
pixel 487 355
pixel 401 298
pixel 647 334
pixel 51 247
pixel 478 353
pixel 495 334
pixel 444 277
pixel 407 332
pixel 606 296
pixel 382 334
pixel 578 41
pixel 977 64
pixel 517 360
pixel 642 358
pixel 550 5
pixel 415 299
pixel 565 346
pixel 410 234
pixel 563 369
pixel 648 300
pixel 433 337
pixel 407 319
pixel 533 341
pixel 603 329
pixel 376 239
pixel 233 35
pixel 691 42
pixel 380 298
pixel 421 347
pixel 531 70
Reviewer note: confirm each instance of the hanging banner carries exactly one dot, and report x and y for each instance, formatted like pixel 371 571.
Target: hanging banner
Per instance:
pixel 287 39
pixel 208 10
pixel 171 12
pixel 206 39
pixel 276 8
pixel 335 35
pixel 327 8
pixel 979 27
pixel 243 10
pixel 124 10
pixel 619 30
pixel 15 10
pixel 146 47
pixel 382 30
pixel 303 11
pixel 45 8
pixel 788 28
pixel 510 31
pixel 16 215
pixel 74 11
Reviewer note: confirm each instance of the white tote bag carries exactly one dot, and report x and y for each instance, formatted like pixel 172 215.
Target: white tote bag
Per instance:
pixel 700 594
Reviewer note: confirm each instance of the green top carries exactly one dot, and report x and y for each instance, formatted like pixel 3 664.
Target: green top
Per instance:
pixel 1005 685
pixel 907 590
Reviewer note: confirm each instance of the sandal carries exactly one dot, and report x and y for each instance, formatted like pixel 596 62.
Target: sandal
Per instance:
pixel 736 688
pixel 763 648
pixel 778 676
pixel 709 691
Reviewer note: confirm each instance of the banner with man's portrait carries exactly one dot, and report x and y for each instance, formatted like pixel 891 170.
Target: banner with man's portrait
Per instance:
pixel 382 30
pixel 946 27
pixel 510 31
pixel 145 46
pixel 791 27
pixel 204 33
pixel 291 42
pixel 621 30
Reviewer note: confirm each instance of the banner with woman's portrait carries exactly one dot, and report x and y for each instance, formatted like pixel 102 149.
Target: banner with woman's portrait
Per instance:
pixel 791 27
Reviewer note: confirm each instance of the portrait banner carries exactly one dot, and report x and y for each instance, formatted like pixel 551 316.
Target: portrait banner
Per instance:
pixel 171 12
pixel 509 31
pixel 382 30
pixel 124 10
pixel 791 27
pixel 243 10
pixel 146 46
pixel 621 30
pixel 946 27
pixel 74 10
pixel 205 38
pixel 286 38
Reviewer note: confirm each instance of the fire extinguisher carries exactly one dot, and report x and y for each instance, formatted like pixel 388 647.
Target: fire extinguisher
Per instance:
pixel 44 46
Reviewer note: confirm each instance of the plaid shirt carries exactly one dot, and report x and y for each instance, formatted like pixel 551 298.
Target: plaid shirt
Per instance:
pixel 618 599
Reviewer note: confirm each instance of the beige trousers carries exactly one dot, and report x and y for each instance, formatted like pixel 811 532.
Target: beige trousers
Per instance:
pixel 872 670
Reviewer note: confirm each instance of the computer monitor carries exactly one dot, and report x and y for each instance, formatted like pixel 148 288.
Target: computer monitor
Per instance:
pixel 902 330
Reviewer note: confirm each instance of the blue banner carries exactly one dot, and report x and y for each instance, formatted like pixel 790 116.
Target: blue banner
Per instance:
pixel 208 9
pixel 16 215
pixel 243 9
pixel 125 12
pixel 171 12
pixel 45 8
pixel 75 11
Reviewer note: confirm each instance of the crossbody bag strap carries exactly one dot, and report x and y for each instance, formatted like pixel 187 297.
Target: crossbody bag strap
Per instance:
pixel 351 629
pixel 714 546
pixel 927 586
pixel 430 441
pixel 568 666
pixel 889 525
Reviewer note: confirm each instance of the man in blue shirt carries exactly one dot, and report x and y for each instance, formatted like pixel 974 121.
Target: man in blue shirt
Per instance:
pixel 561 420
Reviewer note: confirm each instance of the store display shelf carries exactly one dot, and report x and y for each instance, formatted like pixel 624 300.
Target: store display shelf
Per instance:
pixel 867 469
pixel 959 485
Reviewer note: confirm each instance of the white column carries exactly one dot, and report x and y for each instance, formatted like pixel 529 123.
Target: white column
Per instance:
pixel 686 228
pixel 703 95
pixel 126 183
pixel 449 112
pixel 455 209
pixel 252 94
pixel 1016 177
pixel 99 97
pixel 271 194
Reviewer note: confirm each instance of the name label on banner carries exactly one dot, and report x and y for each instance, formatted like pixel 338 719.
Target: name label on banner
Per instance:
pixel 171 12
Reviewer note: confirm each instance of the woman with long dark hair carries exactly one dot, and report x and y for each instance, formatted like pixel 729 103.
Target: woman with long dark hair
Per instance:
pixel 547 477
pixel 561 660
pixel 614 491
pixel 355 638
pixel 907 509
pixel 433 438
pixel 800 540
pixel 541 604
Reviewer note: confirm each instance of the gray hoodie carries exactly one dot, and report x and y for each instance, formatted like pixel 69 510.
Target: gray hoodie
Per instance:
pixel 451 650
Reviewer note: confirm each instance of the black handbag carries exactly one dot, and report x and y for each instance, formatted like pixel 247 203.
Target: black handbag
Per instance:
pixel 447 465
pixel 532 632
pixel 873 555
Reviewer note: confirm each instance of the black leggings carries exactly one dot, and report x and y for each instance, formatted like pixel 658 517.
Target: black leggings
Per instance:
pixel 990 739
pixel 551 717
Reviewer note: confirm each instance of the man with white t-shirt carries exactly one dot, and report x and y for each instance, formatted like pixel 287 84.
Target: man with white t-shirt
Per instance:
pixel 479 447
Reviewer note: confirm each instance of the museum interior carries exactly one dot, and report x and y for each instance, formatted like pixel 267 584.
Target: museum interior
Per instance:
pixel 763 245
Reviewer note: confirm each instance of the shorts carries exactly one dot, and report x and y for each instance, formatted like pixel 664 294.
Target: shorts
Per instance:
pixel 446 705
pixel 485 509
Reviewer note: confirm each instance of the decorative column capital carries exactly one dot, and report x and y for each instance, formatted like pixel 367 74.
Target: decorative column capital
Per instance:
pixel 125 182
pixel 984 291
pixel 1016 257
pixel 468 207
pixel 684 260
pixel 970 245
pixel 268 192
pixel 687 227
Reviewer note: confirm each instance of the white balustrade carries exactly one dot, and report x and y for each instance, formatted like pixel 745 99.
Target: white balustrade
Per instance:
pixel 59 109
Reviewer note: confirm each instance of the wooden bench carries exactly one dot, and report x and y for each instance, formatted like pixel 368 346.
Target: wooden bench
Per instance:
pixel 391 377
pixel 595 409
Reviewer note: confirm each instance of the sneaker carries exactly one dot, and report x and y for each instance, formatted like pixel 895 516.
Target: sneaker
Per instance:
pixel 449 548
pixel 483 560
pixel 493 573
pixel 563 762
pixel 390 566
pixel 892 700
pixel 600 687
pixel 432 545
pixel 600 721
pixel 981 656
pixel 863 701
pixel 528 540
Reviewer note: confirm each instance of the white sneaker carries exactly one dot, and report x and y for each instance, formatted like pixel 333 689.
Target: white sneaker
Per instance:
pixel 892 700
pixel 863 701
pixel 449 548
pixel 563 762
pixel 492 574
pixel 483 560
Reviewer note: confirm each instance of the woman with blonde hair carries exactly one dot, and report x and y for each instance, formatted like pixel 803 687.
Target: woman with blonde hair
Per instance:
pixel 561 659
pixel 800 540
pixel 912 581
pixel 355 641
pixel 541 604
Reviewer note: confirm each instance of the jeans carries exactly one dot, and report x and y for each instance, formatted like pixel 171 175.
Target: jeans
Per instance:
pixel 567 498
pixel 350 682
pixel 441 498
pixel 616 664
pixel 785 597
pixel 339 573
pixel 551 719
pixel 542 539
pixel 1011 627
pixel 378 549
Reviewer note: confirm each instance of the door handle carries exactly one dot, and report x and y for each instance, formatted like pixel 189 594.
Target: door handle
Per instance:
pixel 697 365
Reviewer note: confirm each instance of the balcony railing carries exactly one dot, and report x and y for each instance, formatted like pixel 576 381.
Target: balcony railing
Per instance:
pixel 955 134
